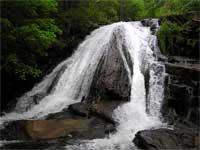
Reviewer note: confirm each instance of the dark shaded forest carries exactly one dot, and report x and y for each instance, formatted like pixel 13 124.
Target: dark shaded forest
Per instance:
pixel 38 34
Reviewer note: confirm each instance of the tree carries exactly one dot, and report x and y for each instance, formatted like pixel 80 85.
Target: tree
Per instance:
pixel 132 9
pixel 27 30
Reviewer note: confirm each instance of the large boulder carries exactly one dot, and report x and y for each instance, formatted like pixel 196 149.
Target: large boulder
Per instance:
pixel 104 109
pixel 80 109
pixel 181 138
pixel 112 80
pixel 100 108
pixel 56 128
pixel 49 129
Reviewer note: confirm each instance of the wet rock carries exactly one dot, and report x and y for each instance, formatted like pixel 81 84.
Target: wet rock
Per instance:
pixel 43 129
pixel 37 97
pixel 100 108
pixel 111 80
pixel 25 145
pixel 55 129
pixel 184 70
pixel 110 128
pixel 156 139
pixel 181 138
pixel 27 102
pixel 14 130
pixel 181 99
pixel 183 60
pixel 64 114
pixel 104 109
pixel 152 23
pixel 56 78
pixel 50 144
pixel 80 109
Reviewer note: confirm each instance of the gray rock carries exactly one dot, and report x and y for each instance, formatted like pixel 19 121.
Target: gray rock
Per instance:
pixel 75 129
pixel 111 80
pixel 80 109
pixel 184 70
pixel 152 23
pixel 181 100
pixel 180 138
pixel 104 109
pixel 64 114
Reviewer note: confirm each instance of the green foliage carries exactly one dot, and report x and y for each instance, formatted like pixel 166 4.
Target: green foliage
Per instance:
pixel 168 34
pixel 37 8
pixel 158 8
pixel 8 35
pixel 29 28
pixel 39 35
pixel 132 9
pixel 27 31
pixel 95 11
pixel 20 69
pixel 179 39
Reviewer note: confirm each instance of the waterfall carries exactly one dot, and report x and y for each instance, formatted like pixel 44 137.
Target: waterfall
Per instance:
pixel 75 81
pixel 73 84
pixel 133 116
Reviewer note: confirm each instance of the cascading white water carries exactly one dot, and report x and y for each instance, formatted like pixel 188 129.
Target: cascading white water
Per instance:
pixel 73 84
pixel 132 116
pixel 76 79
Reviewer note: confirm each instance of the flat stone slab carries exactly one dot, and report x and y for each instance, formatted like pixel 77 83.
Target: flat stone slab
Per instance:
pixel 55 129
pixel 191 71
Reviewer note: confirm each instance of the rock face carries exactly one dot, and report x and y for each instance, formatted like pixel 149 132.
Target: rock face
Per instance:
pixel 152 23
pixel 80 109
pixel 80 121
pixel 182 91
pixel 111 79
pixel 48 129
pixel 81 128
pixel 181 104
pixel 182 138
pixel 156 139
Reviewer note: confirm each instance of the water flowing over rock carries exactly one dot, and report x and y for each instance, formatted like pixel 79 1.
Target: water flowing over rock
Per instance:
pixel 111 79
pixel 106 79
